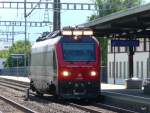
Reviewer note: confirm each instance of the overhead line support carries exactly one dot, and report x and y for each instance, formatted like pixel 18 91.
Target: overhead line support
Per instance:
pixel 49 5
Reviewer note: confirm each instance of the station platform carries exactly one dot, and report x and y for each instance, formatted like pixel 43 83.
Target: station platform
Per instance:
pixel 17 78
pixel 105 86
pixel 132 99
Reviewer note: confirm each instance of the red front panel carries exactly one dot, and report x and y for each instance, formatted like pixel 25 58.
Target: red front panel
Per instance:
pixel 78 70
pixel 78 73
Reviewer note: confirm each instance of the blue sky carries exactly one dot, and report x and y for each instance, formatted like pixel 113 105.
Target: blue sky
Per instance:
pixel 68 18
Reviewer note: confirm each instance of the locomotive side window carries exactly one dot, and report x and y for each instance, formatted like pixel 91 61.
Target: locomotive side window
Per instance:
pixel 79 51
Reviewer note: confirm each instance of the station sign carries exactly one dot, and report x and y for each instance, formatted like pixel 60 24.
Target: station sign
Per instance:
pixel 124 42
pixel 17 56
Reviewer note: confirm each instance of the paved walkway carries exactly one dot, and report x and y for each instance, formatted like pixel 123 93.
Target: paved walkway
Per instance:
pixel 24 79
pixel 112 86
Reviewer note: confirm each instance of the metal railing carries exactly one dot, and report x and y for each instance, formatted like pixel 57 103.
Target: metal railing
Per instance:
pixel 146 81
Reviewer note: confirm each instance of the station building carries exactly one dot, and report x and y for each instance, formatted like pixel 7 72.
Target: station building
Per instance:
pixel 133 23
pixel 5 45
pixel 119 71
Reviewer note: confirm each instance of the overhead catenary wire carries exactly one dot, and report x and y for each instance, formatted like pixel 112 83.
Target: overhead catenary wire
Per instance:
pixel 33 9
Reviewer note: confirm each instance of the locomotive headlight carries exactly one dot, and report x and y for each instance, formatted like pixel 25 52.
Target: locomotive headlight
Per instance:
pixel 76 37
pixel 87 32
pixel 77 32
pixel 67 32
pixel 93 73
pixel 66 73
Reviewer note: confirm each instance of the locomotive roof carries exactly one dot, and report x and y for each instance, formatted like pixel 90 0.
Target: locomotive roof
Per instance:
pixel 48 35
pixel 50 41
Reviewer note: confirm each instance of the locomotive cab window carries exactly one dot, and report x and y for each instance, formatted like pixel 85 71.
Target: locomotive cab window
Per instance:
pixel 79 51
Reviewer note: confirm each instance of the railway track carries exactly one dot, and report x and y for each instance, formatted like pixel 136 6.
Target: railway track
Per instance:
pixel 15 82
pixel 92 108
pixel 114 108
pixel 17 105
pixel 13 85
pixel 101 108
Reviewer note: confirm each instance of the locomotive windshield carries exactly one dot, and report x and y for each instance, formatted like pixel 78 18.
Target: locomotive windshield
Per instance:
pixel 79 52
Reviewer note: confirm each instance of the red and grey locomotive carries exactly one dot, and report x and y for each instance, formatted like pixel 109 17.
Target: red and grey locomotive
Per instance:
pixel 66 63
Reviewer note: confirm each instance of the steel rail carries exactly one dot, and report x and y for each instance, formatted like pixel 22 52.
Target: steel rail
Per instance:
pixel 15 84
pixel 16 81
pixel 114 108
pixel 13 87
pixel 100 108
pixel 86 108
pixel 20 83
pixel 17 105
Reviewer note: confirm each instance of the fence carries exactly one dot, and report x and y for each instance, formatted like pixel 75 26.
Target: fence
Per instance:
pixel 22 71
pixel 17 71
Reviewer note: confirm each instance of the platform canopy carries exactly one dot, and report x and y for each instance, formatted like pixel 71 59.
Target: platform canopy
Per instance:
pixel 134 22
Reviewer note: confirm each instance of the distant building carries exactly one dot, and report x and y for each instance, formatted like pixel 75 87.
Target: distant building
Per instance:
pixel 5 45
pixel 2 62
pixel 120 72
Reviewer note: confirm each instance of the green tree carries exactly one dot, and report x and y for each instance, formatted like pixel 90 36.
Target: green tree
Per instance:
pixel 103 44
pixel 131 3
pixel 105 7
pixel 4 53
pixel 18 48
